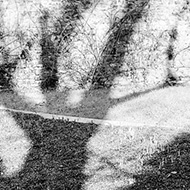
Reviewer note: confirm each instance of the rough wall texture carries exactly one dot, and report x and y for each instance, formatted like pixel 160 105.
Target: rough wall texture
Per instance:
pixel 90 36
pixel 147 51
pixel 22 39
pixel 146 60
pixel 20 25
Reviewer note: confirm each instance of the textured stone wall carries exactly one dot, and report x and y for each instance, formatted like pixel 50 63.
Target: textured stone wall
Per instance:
pixel 148 47
pixel 20 26
pixel 22 30
pixel 145 55
pixel 90 36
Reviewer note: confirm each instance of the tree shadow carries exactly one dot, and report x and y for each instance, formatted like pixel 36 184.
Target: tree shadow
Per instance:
pixel 57 157
pixel 7 68
pixel 96 103
pixel 137 94
pixel 168 168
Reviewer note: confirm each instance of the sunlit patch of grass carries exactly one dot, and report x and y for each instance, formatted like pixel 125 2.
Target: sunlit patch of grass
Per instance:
pixel 14 145
pixel 158 107
pixel 114 156
pixel 150 151
pixel 74 98
pixel 166 106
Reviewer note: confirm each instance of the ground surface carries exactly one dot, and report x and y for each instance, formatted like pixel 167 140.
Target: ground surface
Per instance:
pixel 70 155
pixel 56 156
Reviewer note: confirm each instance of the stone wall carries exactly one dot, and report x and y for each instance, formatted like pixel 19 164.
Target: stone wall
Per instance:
pixel 21 29
pixel 147 51
pixel 90 36
pixel 145 63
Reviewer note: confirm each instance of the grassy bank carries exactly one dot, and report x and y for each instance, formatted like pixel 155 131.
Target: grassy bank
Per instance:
pixel 70 155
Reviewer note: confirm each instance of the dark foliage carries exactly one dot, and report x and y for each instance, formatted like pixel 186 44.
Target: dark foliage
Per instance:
pixel 58 156
pixel 6 74
pixel 171 80
pixel 170 52
pixel 53 40
pixel 115 49
pixel 49 78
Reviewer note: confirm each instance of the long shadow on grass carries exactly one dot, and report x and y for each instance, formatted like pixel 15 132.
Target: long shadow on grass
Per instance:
pixel 168 168
pixel 57 157
pixel 96 103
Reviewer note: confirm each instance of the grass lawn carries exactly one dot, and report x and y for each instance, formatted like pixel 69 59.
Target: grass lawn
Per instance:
pixel 70 155
pixel 56 157
pixel 57 103
pixel 163 106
